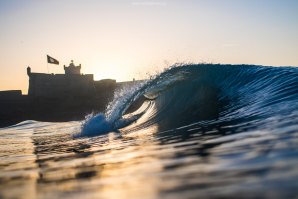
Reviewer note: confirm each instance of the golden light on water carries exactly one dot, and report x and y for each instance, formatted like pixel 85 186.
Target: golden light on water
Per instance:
pixel 129 176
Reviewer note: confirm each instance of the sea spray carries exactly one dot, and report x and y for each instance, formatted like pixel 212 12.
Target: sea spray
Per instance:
pixel 101 123
pixel 112 119
pixel 95 125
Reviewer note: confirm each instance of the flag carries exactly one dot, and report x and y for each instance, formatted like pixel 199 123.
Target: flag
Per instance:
pixel 51 60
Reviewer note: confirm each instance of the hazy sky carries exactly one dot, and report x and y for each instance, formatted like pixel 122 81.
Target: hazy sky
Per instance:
pixel 129 38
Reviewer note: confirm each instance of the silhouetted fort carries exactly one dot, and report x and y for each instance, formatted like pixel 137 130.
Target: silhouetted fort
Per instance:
pixel 58 97
pixel 72 84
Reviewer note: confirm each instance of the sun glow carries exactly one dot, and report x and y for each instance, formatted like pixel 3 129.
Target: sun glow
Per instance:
pixel 112 70
pixel 121 68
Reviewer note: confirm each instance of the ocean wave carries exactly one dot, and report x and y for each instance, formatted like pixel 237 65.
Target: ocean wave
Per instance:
pixel 210 95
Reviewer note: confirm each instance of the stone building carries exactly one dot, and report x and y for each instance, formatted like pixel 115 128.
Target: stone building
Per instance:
pixel 72 84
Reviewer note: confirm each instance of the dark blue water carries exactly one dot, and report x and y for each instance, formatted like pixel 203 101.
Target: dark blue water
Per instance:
pixel 204 131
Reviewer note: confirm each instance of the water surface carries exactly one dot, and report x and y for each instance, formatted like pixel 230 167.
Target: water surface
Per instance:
pixel 206 131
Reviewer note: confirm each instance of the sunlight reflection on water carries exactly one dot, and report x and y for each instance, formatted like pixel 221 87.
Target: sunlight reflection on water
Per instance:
pixel 44 161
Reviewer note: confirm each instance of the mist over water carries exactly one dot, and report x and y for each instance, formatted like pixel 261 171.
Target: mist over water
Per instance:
pixel 204 131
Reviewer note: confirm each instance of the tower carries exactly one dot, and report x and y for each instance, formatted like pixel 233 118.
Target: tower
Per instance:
pixel 28 71
pixel 72 69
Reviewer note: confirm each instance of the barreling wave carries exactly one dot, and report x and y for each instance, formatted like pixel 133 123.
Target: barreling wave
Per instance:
pixel 185 96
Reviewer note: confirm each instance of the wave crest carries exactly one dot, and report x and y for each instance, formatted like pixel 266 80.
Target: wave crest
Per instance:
pixel 214 94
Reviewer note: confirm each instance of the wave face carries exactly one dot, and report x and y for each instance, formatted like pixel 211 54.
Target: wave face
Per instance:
pixel 188 96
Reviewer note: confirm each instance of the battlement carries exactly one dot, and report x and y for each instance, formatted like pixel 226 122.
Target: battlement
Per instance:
pixel 71 69
pixel 61 85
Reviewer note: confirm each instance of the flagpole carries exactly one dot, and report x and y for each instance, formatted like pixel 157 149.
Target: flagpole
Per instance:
pixel 48 67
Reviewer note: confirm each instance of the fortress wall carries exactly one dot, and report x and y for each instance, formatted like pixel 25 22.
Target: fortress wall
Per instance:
pixel 59 97
pixel 105 90
pixel 11 95
pixel 61 86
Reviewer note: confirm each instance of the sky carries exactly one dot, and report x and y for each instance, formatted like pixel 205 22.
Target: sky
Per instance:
pixel 128 39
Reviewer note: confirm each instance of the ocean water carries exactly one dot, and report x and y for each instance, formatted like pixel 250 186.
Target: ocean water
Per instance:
pixel 205 131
